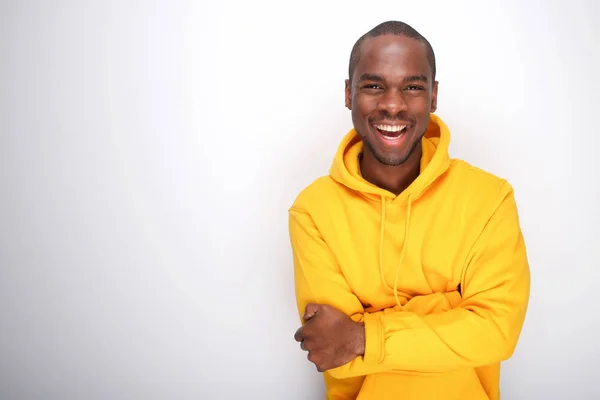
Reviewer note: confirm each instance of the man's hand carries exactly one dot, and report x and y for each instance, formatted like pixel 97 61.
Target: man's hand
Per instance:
pixel 331 338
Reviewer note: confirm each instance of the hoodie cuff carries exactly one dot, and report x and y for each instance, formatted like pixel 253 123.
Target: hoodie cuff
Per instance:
pixel 373 339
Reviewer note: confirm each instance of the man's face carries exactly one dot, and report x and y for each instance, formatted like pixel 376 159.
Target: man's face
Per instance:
pixel 391 95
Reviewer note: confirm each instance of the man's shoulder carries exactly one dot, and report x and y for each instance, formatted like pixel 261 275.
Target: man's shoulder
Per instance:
pixel 476 181
pixel 319 192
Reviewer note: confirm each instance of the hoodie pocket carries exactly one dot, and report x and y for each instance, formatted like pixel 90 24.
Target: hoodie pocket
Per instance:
pixel 463 384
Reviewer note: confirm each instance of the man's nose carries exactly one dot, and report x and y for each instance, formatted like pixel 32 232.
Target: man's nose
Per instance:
pixel 393 102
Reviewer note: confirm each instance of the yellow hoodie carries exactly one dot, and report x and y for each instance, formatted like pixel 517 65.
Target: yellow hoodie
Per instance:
pixel 438 274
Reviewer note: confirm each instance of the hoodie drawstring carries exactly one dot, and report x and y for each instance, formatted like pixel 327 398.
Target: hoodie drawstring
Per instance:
pixel 381 237
pixel 402 253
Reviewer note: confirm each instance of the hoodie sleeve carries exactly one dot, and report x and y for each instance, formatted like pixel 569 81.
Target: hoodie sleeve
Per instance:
pixel 483 329
pixel 318 279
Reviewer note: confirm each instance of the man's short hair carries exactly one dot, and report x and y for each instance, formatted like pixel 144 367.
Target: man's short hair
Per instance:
pixel 391 28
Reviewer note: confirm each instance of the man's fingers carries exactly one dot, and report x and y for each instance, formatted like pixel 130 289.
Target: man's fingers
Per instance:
pixel 316 360
pixel 299 335
pixel 310 311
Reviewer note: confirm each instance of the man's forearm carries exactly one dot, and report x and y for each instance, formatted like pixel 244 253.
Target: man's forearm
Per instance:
pixel 421 305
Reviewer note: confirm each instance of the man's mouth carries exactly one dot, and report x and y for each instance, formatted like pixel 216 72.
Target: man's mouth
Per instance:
pixel 391 132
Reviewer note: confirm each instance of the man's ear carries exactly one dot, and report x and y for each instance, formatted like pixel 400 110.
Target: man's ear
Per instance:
pixel 434 94
pixel 348 94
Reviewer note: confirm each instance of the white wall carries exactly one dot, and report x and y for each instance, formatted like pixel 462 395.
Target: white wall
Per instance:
pixel 149 152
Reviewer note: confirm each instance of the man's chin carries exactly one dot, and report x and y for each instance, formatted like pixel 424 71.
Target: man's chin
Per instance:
pixel 392 162
pixel 391 159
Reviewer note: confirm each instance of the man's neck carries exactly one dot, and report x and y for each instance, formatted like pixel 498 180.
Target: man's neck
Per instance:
pixel 394 179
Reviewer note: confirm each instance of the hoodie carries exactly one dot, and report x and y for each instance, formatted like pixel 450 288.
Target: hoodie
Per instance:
pixel 438 274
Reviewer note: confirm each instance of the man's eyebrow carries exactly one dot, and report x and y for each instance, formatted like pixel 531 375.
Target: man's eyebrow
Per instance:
pixel 415 78
pixel 379 78
pixel 371 77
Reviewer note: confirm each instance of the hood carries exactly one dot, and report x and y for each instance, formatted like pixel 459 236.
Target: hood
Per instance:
pixel 434 162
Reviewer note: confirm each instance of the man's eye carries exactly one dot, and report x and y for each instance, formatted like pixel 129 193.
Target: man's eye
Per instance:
pixel 414 87
pixel 372 86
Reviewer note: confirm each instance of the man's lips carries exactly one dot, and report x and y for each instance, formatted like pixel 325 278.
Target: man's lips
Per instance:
pixel 392 129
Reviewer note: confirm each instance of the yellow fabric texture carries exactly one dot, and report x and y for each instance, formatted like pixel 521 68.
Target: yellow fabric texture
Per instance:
pixel 438 274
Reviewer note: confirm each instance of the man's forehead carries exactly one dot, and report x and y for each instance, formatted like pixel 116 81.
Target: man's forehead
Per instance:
pixel 392 46
pixel 393 51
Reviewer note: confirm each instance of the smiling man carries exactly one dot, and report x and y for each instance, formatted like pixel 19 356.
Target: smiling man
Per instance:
pixel 411 272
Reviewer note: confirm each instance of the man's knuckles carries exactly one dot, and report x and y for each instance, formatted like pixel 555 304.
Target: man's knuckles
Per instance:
pixel 299 335
pixel 313 357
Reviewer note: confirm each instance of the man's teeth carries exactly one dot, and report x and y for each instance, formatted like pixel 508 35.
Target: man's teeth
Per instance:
pixel 390 128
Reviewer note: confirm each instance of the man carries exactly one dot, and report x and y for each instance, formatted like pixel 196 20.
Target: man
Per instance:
pixel 411 273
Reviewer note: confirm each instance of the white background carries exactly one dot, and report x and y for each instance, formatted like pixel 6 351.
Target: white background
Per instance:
pixel 149 152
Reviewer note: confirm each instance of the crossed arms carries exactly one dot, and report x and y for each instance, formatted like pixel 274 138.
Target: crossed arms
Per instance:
pixel 429 334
